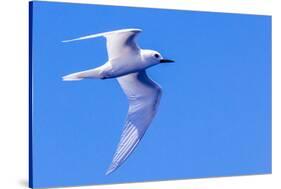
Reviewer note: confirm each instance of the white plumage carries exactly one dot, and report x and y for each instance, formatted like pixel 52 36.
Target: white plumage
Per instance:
pixel 127 63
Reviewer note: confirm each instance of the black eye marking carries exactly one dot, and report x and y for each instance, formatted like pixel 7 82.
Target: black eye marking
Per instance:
pixel 156 55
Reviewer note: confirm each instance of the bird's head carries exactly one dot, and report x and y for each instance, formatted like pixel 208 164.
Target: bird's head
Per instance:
pixel 152 57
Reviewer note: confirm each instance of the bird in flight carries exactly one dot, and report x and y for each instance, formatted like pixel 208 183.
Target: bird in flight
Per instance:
pixel 127 63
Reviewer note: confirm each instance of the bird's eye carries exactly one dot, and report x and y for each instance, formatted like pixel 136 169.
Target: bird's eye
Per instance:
pixel 156 56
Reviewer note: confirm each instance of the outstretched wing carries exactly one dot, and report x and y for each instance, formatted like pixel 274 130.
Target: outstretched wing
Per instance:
pixel 119 42
pixel 144 96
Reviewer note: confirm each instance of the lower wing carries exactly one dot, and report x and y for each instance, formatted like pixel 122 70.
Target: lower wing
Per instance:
pixel 144 97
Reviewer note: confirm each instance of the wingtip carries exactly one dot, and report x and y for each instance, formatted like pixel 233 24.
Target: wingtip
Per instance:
pixel 66 41
pixel 109 171
pixel 102 34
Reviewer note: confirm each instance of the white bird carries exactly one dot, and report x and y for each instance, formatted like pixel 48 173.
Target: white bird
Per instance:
pixel 127 63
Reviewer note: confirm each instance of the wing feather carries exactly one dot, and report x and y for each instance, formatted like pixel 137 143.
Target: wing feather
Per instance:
pixel 144 96
pixel 119 42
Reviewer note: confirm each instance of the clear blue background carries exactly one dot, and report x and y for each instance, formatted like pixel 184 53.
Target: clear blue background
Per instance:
pixel 214 117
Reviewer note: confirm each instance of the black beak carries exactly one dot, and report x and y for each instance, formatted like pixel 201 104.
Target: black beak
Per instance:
pixel 166 61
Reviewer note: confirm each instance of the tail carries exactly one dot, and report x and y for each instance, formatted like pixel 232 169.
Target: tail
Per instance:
pixel 88 74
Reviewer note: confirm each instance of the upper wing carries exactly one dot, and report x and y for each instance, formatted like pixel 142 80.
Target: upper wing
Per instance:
pixel 144 96
pixel 118 43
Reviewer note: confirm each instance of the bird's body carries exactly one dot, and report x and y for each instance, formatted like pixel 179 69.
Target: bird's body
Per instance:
pixel 116 67
pixel 127 63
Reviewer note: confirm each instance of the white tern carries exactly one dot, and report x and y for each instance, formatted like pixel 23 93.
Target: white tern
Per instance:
pixel 127 63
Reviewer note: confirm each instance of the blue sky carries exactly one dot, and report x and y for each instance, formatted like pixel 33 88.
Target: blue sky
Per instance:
pixel 214 117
